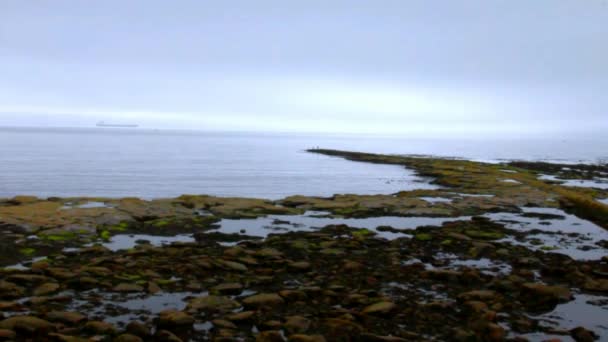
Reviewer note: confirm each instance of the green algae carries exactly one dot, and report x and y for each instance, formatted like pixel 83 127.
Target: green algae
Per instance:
pixel 27 251
pixel 484 235
pixel 423 237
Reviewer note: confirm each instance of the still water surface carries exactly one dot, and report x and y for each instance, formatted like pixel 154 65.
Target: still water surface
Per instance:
pixel 152 163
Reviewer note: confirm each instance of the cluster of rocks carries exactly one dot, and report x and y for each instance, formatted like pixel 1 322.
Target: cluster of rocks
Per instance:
pixel 337 284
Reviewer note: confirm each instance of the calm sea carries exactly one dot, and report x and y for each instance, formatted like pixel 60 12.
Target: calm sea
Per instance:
pixel 151 163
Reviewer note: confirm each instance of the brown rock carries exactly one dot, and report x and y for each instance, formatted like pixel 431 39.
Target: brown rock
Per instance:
pixel 297 324
pixel 263 300
pixel 581 334
pixel 240 316
pixel 306 338
pixel 380 308
pixel 222 323
pixel 126 287
pixel 138 329
pixel 228 288
pixel 28 324
pixel 170 318
pixel 66 317
pixel 6 335
pixel 167 336
pixel 46 288
pixel 300 265
pixel 270 336
pixel 212 303
pixel 128 338
pixel 99 327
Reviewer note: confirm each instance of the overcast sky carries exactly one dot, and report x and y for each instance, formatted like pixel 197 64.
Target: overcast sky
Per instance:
pixel 372 66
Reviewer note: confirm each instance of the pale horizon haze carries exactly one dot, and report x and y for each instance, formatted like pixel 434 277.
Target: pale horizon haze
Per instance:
pixel 423 68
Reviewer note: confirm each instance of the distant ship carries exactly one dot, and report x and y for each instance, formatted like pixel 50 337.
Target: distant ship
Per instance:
pixel 103 124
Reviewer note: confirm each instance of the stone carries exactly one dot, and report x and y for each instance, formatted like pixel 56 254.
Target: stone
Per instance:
pixel 300 265
pixel 128 338
pixel 233 265
pixel 153 288
pixel 380 308
pixel 240 316
pixel 66 317
pixel 306 338
pixel 228 288
pixel 6 335
pixel 297 324
pixel 263 300
pixel 581 334
pixel 100 327
pixel 28 324
pixel 541 293
pixel 212 303
pixel 222 323
pixel 46 288
pixel 10 290
pixel 483 295
pixel 166 336
pixel 126 287
pixel 270 336
pixel 269 253
pixel 352 266
pixel 170 318
pixel 138 329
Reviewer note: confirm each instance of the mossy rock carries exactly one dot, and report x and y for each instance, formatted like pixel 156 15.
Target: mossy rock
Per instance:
pixel 423 237
pixel 484 235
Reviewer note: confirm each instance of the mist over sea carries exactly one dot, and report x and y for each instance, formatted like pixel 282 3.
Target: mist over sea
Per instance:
pixel 157 163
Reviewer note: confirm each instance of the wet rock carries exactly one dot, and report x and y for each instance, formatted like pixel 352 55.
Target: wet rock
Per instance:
pixel 269 253
pixel 537 295
pixel 270 336
pixel 377 338
pixel 222 323
pixel 7 335
pixel 128 338
pixel 581 334
pixel 598 285
pixel 171 318
pixel 240 316
pixel 71 318
pixel 27 324
pixel 66 338
pixel 138 329
pixel 306 338
pixel 380 308
pixel 228 288
pixel 297 324
pixel 166 336
pixel 351 266
pixel 494 332
pixel 127 287
pixel 483 295
pixel 293 295
pixel 263 300
pixel 233 265
pixel 99 327
pixel 27 279
pixel 341 329
pixel 46 288
pixel 153 288
pixel 212 303
pixel 10 290
pixel 300 265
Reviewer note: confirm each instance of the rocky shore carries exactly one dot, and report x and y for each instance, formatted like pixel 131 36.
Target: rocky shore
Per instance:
pixel 498 252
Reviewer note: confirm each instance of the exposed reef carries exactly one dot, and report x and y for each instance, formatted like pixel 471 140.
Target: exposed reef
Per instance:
pixel 495 253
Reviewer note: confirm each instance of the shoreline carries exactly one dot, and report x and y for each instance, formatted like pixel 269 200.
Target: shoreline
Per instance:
pixel 314 274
